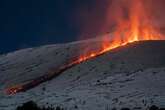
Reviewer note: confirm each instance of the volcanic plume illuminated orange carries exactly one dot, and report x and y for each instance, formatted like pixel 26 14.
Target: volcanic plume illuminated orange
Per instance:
pixel 136 27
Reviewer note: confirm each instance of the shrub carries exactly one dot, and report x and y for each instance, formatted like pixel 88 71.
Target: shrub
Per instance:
pixel 33 106
pixel 153 107
pixel 28 106
pixel 125 109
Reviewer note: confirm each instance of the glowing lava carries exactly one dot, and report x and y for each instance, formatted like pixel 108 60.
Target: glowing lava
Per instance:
pixel 136 27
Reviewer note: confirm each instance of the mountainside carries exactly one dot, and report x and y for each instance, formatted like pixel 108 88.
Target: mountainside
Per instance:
pixel 129 76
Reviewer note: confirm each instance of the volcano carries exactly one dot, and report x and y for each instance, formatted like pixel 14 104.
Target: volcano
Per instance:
pixel 131 75
pixel 123 68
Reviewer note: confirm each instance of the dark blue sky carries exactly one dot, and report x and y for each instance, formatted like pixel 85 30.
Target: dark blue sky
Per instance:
pixel 28 23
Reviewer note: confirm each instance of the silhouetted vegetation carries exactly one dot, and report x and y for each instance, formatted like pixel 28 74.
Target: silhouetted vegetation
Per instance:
pixel 125 109
pixel 33 106
pixel 153 107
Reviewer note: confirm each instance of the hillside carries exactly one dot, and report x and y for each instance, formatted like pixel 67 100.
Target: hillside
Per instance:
pixel 132 75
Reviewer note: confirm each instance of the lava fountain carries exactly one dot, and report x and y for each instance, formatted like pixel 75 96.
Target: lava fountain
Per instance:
pixel 133 25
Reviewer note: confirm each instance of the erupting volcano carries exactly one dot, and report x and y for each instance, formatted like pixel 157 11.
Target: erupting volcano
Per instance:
pixel 132 25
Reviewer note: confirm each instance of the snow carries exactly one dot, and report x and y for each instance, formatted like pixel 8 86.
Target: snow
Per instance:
pixel 130 76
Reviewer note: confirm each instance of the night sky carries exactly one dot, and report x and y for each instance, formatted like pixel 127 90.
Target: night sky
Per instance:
pixel 28 23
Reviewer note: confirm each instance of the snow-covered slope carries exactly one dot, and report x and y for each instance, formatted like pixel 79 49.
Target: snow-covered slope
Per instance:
pixel 27 64
pixel 133 75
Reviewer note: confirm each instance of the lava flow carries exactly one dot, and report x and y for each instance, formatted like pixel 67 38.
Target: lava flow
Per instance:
pixel 136 27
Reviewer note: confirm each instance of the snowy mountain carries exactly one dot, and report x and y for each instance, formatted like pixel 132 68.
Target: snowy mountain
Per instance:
pixel 129 76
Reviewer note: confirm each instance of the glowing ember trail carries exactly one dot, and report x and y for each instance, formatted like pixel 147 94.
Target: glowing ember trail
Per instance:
pixel 135 28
